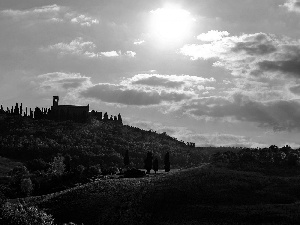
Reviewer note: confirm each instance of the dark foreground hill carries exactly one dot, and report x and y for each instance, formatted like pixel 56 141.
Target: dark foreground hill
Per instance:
pixel 203 195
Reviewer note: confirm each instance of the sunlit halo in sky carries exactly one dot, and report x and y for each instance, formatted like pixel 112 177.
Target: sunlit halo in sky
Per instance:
pixel 170 24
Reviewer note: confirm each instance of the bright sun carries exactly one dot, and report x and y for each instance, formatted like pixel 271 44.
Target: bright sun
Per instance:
pixel 170 24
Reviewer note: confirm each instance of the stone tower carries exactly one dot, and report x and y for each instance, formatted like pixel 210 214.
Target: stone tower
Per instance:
pixel 55 101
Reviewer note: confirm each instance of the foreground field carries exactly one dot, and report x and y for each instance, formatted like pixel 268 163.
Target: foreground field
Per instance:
pixel 206 195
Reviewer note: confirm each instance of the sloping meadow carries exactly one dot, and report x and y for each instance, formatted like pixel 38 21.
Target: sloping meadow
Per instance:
pixel 205 194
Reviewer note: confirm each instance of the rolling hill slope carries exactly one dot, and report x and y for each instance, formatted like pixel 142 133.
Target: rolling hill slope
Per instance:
pixel 206 195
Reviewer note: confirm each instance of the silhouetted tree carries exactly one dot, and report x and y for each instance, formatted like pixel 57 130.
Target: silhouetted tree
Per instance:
pixel 67 162
pixel 274 148
pixel 167 162
pixel 155 165
pixel 105 116
pixel 126 158
pixel 120 119
pixel 292 159
pixel 148 162
pixel 286 149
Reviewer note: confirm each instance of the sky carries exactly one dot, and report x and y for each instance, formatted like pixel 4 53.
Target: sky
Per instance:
pixel 217 73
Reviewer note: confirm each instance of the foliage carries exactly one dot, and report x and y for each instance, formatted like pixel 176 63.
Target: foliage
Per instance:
pixel 19 214
pixel 26 186
pixel 58 166
pixel 59 155
pixel 272 160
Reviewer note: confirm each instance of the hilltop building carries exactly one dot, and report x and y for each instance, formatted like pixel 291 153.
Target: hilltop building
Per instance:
pixel 61 113
pixel 72 112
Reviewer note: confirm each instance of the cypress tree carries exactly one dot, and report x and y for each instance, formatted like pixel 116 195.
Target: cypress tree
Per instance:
pixel 155 165
pixel 167 162
pixel 148 162
pixel 126 158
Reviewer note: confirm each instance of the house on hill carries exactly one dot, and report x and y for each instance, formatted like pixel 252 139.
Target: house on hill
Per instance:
pixel 66 112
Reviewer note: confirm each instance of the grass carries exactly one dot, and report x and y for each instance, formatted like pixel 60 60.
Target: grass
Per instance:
pixel 206 195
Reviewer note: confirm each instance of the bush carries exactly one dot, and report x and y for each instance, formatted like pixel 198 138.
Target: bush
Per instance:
pixel 26 186
pixel 19 214
pixel 134 173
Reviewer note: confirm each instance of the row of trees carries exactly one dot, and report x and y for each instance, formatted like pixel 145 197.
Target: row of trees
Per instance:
pixel 149 162
pixel 285 156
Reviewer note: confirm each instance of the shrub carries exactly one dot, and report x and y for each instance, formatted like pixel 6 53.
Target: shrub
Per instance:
pixel 26 186
pixel 58 166
pixel 134 173
pixel 19 214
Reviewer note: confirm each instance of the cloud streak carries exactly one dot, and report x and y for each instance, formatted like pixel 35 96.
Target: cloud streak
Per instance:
pixel 51 13
pixel 86 49
pixel 121 94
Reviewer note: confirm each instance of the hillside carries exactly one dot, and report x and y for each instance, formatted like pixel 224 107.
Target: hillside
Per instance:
pixel 59 155
pixel 206 195
pixel 95 142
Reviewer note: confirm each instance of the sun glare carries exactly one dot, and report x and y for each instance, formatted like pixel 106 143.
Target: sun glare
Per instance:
pixel 170 24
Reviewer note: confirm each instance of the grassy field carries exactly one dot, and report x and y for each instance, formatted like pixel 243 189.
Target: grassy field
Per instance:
pixel 204 195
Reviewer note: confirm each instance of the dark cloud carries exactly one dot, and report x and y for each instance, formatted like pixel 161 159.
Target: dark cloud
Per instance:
pixel 258 44
pixel 295 89
pixel 254 48
pixel 290 66
pixel 278 115
pixel 119 94
pixel 159 81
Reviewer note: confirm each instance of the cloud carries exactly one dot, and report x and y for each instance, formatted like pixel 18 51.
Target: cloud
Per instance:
pixel 278 115
pixel 260 63
pixel 159 81
pixel 51 13
pixel 84 20
pixel 49 10
pixel 149 90
pixel 110 54
pixel 75 47
pixel 292 5
pixel 59 81
pixel 123 95
pixel 289 66
pixel 213 35
pixel 295 89
pixel 242 48
pixel 83 48
pixel 138 42
pixel 130 53
pixel 183 82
